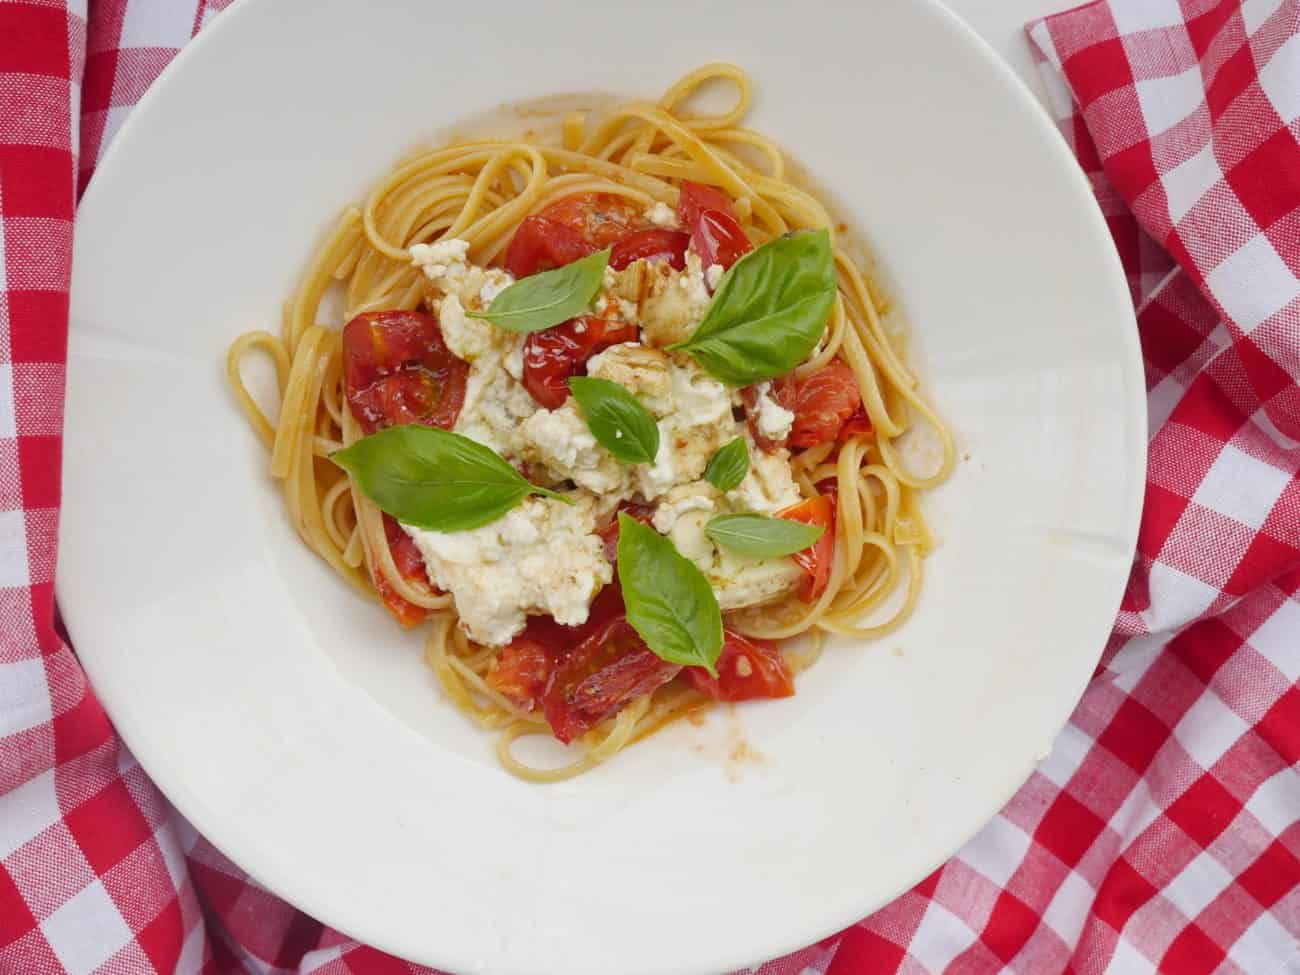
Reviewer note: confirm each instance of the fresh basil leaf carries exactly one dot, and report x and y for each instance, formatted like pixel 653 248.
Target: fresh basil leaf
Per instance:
pixel 760 536
pixel 770 309
pixel 617 419
pixel 669 602
pixel 548 298
pixel 728 466
pixel 435 479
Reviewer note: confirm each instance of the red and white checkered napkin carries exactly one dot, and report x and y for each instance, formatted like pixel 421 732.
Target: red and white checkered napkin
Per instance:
pixel 1163 833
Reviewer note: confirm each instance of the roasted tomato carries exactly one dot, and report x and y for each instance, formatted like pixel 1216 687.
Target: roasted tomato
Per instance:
pixel 522 668
pixel 397 369
pixel 816 559
pixel 609 669
pixel 554 354
pixel 716 235
pixel 651 245
pixel 410 566
pixel 609 533
pixel 601 219
pixel 747 669
pixel 540 244
pixel 822 403
pixel 858 423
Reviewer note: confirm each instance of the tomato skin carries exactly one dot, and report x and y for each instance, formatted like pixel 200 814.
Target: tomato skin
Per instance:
pixel 397 369
pixel 817 558
pixel 718 239
pixel 540 244
pixel 822 403
pixel 694 198
pixel 609 533
pixel 857 424
pixel 522 668
pixel 410 566
pixel 747 669
pixel 655 244
pixel 554 354
pixel 609 669
pixel 601 219
pixel 716 235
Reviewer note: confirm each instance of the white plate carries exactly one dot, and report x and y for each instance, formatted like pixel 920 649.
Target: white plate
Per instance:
pixel 299 730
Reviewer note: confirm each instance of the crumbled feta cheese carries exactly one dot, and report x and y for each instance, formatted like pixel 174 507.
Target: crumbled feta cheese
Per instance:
pixel 442 259
pixel 540 557
pixel 774 420
pixel 661 215
pixel 495 407
pixel 493 287
pixel 768 486
pixel 559 440
pixel 713 275
pixel 514 360
pixel 668 303
pixel 698 496
pixel 641 371
pixel 468 338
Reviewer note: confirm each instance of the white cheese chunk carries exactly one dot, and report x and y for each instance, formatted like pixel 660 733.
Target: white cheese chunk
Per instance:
pixel 559 439
pixel 643 372
pixel 774 420
pixel 768 486
pixel 540 557
pixel 713 276
pixel 661 215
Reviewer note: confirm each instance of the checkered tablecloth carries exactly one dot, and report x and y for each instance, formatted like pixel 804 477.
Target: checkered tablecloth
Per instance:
pixel 1163 832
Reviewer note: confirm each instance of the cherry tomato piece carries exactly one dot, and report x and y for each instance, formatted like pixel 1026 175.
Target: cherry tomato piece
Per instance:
pixel 397 369
pixel 781 392
pixel 601 219
pixel 822 403
pixel 522 668
pixel 608 670
pixel 694 198
pixel 747 669
pixel 540 244
pixel 718 239
pixel 816 559
pixel 410 566
pixel 858 423
pixel 651 245
pixel 554 354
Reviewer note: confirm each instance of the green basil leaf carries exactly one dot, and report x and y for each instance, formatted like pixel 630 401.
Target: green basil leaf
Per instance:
pixel 770 309
pixel 760 536
pixel 435 479
pixel 542 300
pixel 617 419
pixel 728 466
pixel 669 602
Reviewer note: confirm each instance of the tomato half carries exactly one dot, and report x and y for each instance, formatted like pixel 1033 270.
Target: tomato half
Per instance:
pixel 601 219
pixel 747 669
pixel 816 559
pixel 608 670
pixel 716 235
pixel 397 369
pixel 651 245
pixel 554 354
pixel 822 403
pixel 410 566
pixel 540 244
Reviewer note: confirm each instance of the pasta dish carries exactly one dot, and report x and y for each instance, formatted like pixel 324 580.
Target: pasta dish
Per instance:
pixel 613 420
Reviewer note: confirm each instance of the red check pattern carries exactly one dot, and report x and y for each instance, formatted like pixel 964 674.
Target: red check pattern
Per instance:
pixel 1163 832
